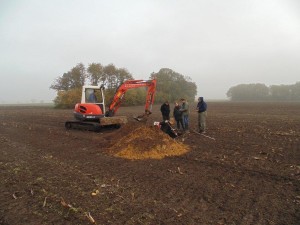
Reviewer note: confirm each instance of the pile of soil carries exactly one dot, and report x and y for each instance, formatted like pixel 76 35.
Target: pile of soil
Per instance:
pixel 146 142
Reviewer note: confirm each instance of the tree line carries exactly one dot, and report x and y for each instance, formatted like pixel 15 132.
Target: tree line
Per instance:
pixel 171 85
pixel 261 92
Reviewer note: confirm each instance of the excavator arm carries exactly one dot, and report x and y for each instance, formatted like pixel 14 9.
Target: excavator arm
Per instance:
pixel 130 84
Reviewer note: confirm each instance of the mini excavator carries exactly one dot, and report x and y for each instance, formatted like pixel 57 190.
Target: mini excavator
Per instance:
pixel 91 114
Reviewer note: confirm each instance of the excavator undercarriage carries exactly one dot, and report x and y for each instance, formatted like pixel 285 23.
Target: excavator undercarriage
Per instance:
pixel 104 123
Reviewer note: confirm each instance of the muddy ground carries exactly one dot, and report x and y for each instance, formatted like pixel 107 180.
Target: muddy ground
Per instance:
pixel 248 175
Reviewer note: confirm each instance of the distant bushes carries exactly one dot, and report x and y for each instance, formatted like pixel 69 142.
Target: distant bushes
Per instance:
pixel 260 92
pixel 68 99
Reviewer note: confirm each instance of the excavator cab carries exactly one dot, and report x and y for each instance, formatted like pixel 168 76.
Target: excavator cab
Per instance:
pixel 92 106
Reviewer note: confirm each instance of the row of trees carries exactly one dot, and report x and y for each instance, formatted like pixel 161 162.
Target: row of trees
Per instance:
pixel 173 86
pixel 260 92
pixel 170 85
pixel 95 74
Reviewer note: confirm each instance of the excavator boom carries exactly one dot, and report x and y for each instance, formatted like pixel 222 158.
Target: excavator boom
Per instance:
pixel 130 84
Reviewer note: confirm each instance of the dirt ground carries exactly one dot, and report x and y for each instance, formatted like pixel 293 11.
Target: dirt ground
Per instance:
pixel 250 173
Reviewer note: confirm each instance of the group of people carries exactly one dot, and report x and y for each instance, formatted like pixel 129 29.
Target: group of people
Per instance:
pixel 181 114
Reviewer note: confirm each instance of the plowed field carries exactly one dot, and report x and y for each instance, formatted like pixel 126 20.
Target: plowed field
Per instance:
pixel 248 174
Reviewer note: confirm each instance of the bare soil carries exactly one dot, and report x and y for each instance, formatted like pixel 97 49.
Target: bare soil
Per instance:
pixel 250 173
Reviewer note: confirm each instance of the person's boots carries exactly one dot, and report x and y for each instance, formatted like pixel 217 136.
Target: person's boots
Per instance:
pixel 187 129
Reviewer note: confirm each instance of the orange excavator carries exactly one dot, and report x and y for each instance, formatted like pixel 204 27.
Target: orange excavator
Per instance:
pixel 91 114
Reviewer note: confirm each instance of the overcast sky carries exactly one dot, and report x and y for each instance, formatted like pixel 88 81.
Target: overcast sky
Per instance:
pixel 217 43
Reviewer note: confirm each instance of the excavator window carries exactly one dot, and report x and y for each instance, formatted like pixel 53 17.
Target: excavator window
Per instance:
pixel 93 96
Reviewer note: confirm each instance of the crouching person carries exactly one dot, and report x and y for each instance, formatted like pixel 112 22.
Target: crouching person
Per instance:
pixel 166 127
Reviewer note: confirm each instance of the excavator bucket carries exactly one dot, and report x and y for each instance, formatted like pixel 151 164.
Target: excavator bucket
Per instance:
pixel 143 117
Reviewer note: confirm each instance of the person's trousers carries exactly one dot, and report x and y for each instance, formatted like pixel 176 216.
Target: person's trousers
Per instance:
pixel 166 117
pixel 186 122
pixel 179 122
pixel 202 121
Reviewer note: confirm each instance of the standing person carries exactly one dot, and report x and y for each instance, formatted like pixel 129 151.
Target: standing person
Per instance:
pixel 165 111
pixel 178 116
pixel 201 108
pixel 185 114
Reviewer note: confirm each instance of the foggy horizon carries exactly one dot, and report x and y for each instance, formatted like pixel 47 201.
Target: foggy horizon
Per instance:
pixel 218 44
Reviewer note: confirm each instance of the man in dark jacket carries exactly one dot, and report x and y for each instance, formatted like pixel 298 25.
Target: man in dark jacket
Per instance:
pixel 165 111
pixel 178 116
pixel 201 108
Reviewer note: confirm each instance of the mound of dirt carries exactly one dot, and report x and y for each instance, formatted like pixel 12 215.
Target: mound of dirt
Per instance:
pixel 146 142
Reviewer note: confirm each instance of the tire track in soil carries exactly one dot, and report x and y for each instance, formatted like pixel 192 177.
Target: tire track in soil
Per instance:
pixel 32 184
